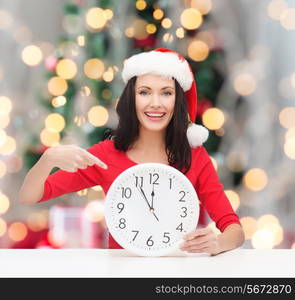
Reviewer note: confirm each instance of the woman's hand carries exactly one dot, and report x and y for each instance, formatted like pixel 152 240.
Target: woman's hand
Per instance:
pixel 70 158
pixel 202 240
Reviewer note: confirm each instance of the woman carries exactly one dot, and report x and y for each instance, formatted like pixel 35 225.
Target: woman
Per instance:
pixel 156 113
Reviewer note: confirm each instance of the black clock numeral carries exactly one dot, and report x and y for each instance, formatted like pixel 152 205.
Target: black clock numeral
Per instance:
pixel 122 223
pixel 170 183
pixel 120 206
pixel 126 192
pixel 138 181
pixel 179 227
pixel 184 211
pixel 136 233
pixel 150 242
pixel 154 178
pixel 166 237
pixel 181 199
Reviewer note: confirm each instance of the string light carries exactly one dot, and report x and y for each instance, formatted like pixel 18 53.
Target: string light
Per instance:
pixel 94 211
pixel 166 23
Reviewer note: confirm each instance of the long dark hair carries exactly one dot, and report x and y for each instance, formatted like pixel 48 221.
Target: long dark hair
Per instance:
pixel 127 131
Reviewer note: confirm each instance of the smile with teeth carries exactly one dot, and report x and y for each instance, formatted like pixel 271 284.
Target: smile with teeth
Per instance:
pixel 155 115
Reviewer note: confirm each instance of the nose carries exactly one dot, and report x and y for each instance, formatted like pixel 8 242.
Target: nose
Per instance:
pixel 155 100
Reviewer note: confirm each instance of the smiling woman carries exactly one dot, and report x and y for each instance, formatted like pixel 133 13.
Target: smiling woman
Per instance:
pixel 157 111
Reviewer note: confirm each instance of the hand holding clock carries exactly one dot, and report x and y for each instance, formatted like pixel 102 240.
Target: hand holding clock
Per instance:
pixel 202 240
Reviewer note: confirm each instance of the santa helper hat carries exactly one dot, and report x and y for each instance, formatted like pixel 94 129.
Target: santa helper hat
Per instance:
pixel 168 63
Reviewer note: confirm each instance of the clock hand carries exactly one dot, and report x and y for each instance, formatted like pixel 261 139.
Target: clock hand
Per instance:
pixel 145 198
pixel 153 194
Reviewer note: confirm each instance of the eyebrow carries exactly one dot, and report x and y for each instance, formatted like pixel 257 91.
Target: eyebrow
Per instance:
pixel 166 87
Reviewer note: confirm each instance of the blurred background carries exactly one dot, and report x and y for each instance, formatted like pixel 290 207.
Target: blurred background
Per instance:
pixel 60 79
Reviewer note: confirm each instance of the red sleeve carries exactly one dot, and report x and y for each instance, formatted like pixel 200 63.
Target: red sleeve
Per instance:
pixel 211 193
pixel 63 182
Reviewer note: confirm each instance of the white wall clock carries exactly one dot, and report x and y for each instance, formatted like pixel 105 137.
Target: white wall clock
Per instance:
pixel 149 207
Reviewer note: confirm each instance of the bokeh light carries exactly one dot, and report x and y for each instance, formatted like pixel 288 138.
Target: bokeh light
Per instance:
pixel 244 84
pixel 94 68
pixel 151 28
pixel 17 231
pixel 213 118
pixel 179 33
pixel 263 239
pixel 98 115
pixel 140 4
pixel 4 121
pixel 233 198
pixel 95 211
pixel 49 138
pixel 275 8
pixel 4 203
pixel 191 19
pixel 3 168
pixel 3 227
pixel 96 18
pixel 289 148
pixel 198 50
pixel 166 23
pixel 3 137
pixel 57 86
pixel 287 117
pixel 37 221
pixel 249 225
pixel 5 105
pixel 58 101
pixel 9 146
pixel 287 19
pixel 203 6
pixel 55 122
pixel 32 55
pixel 158 14
pixel 66 68
pixel 255 179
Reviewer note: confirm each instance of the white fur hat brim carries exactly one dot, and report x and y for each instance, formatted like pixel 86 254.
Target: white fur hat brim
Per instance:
pixel 159 63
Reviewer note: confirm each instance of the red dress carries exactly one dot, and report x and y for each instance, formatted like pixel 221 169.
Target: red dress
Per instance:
pixel 201 174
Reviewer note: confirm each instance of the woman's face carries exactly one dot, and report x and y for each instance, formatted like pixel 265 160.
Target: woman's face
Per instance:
pixel 154 101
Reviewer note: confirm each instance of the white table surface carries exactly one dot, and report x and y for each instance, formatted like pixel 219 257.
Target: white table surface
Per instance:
pixel 120 263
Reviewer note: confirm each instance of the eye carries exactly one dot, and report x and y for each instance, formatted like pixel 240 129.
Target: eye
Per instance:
pixel 143 93
pixel 167 93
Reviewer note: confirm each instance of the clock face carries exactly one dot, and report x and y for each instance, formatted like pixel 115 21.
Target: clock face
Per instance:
pixel 149 207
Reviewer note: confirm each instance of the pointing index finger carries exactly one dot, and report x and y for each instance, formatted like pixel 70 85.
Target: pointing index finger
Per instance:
pixel 95 160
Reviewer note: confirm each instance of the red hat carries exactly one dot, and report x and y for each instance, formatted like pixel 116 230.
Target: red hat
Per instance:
pixel 169 63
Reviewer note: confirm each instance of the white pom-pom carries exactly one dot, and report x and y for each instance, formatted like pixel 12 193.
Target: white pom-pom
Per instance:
pixel 196 135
